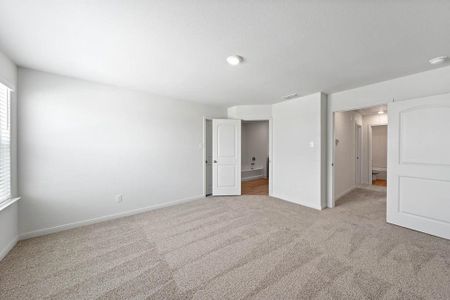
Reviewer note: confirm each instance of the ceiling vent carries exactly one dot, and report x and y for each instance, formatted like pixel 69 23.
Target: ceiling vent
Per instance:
pixel 290 96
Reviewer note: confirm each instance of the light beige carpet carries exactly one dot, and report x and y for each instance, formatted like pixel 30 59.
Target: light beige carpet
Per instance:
pixel 251 247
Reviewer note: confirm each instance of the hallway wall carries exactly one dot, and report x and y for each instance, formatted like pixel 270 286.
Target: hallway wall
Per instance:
pixel 368 121
pixel 345 164
pixel 299 157
pixel 379 146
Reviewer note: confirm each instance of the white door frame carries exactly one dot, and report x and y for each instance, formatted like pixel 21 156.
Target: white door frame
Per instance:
pixel 204 153
pixel 331 199
pixel 331 145
pixel 270 151
pixel 370 146
pixel 270 158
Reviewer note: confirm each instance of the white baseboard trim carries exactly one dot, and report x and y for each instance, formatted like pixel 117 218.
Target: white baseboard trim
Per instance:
pixel 345 192
pixel 45 231
pixel 298 203
pixel 8 203
pixel 252 177
pixel 8 248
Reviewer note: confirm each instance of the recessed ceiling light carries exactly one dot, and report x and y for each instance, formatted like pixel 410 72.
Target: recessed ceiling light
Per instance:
pixel 381 112
pixel 290 96
pixel 234 60
pixel 439 60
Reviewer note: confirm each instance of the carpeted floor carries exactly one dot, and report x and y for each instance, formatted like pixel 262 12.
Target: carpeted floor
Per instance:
pixel 250 247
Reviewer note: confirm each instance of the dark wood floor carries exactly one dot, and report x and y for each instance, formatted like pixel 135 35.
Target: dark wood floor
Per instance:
pixel 379 182
pixel 255 187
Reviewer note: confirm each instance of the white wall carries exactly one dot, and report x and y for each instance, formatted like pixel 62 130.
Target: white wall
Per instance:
pixel 250 112
pixel 8 216
pixel 423 84
pixel 368 121
pixel 345 151
pixel 379 147
pixel 82 143
pixel 298 150
pixel 255 143
pixel 8 71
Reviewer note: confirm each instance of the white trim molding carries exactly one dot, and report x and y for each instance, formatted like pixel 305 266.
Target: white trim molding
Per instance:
pixel 45 231
pixel 9 246
pixel 8 202
pixel 347 191
pixel 302 203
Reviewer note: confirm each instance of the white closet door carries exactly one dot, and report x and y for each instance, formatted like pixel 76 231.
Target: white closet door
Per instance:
pixel 209 157
pixel 419 165
pixel 226 157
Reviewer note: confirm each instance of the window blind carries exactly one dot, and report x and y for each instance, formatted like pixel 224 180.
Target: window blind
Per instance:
pixel 5 143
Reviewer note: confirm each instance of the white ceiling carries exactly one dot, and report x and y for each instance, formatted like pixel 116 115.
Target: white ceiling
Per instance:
pixel 178 48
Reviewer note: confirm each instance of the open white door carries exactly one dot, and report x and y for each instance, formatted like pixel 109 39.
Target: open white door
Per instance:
pixel 358 140
pixel 419 165
pixel 226 157
pixel 208 156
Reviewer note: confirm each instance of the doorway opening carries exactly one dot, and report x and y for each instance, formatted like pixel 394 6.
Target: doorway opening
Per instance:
pixel 360 150
pixel 378 155
pixel 417 164
pixel 208 155
pixel 255 157
pixel 237 157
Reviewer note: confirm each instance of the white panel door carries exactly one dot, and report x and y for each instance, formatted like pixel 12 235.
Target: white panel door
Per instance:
pixel 226 157
pixel 209 158
pixel 419 165
pixel 358 139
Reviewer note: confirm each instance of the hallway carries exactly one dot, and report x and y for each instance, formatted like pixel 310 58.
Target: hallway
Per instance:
pixel 255 187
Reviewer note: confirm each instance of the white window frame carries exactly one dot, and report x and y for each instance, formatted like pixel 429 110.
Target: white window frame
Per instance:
pixel 5 131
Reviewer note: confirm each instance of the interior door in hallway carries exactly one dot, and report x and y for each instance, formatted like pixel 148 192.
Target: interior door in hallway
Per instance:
pixel 209 159
pixel 358 141
pixel 419 165
pixel 226 157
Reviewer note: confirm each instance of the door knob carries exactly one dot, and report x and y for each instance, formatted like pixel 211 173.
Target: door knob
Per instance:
pixel 215 161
